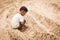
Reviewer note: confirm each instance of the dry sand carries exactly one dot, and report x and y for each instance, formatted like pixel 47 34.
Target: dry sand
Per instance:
pixel 43 19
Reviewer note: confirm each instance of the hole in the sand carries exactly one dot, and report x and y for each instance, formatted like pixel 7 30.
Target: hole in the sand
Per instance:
pixel 7 16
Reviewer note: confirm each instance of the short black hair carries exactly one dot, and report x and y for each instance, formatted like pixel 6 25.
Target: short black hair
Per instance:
pixel 24 8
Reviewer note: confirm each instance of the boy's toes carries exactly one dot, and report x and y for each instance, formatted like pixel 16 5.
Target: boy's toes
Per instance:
pixel 22 30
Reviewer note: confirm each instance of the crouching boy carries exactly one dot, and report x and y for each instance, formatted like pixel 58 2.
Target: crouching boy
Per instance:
pixel 18 21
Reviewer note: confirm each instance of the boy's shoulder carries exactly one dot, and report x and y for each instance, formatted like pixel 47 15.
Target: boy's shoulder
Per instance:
pixel 17 14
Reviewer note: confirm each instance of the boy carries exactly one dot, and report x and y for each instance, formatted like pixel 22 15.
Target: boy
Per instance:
pixel 18 21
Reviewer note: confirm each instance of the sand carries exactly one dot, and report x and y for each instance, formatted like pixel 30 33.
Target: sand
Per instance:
pixel 43 19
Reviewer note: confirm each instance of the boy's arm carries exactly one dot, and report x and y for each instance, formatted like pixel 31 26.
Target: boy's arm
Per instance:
pixel 23 23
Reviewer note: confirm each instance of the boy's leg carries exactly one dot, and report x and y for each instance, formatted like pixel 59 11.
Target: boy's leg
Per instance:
pixel 22 28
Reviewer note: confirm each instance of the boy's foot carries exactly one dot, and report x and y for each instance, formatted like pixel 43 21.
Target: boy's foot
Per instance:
pixel 23 29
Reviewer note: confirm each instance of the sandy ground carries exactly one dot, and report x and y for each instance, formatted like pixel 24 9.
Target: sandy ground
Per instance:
pixel 43 19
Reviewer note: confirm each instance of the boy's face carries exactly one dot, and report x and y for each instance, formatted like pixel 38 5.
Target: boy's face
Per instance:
pixel 22 12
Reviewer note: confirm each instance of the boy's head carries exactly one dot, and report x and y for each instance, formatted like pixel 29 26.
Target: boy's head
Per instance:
pixel 23 10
